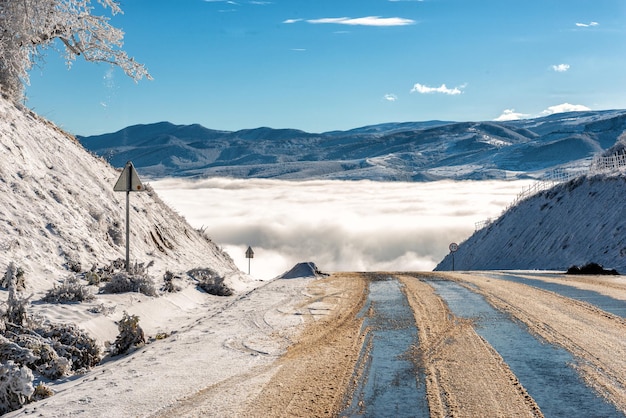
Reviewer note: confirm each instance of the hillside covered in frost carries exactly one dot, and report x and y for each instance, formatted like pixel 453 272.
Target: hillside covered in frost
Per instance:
pixel 60 213
pixel 572 224
pixel 67 298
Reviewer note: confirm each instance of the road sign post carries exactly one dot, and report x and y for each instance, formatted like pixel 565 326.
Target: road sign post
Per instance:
pixel 249 255
pixel 128 182
pixel 453 248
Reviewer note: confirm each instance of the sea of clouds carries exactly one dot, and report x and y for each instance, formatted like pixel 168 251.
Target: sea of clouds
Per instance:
pixel 338 225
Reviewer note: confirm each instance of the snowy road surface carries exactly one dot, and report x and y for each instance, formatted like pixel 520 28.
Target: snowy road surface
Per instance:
pixel 292 348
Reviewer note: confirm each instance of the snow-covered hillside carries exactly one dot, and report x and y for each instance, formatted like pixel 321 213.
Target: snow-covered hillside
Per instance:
pixel 59 209
pixel 574 223
pixel 60 217
pixel 59 213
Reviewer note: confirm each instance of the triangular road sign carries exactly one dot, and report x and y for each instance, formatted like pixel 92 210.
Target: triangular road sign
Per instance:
pixel 129 180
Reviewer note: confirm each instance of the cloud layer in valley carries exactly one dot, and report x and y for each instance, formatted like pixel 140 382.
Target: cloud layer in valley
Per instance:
pixel 339 225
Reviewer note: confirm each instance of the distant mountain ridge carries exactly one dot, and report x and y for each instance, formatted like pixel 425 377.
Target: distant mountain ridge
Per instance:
pixel 408 151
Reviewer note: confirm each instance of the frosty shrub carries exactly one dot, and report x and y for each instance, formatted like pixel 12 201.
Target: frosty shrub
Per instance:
pixel 51 365
pixel 14 276
pixel 71 290
pixel 102 309
pixel 11 351
pixel 16 386
pixel 123 282
pixel 117 264
pixel 92 277
pixel 73 344
pixel 41 392
pixel 74 265
pixel 131 335
pixel 52 350
pixel 118 280
pixel 47 362
pixel 168 283
pixel 210 281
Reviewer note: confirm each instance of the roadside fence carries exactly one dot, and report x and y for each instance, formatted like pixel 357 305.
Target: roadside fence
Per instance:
pixel 615 162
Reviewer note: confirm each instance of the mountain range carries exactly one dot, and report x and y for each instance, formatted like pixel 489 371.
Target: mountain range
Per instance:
pixel 409 151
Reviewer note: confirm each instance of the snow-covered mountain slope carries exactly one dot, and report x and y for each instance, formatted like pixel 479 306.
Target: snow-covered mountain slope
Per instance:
pixel 410 151
pixel 574 223
pixel 59 209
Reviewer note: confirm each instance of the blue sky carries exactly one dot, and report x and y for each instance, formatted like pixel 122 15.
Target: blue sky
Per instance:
pixel 321 65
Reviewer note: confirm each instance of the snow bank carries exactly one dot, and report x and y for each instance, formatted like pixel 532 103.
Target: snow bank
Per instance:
pixel 301 270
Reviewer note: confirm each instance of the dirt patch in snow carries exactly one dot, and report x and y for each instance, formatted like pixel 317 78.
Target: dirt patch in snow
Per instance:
pixel 315 372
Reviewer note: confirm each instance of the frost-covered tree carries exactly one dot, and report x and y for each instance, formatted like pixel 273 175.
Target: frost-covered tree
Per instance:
pixel 27 27
pixel 15 314
pixel 13 277
pixel 16 386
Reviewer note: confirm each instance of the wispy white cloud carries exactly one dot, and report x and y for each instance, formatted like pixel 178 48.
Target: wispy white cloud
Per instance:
pixel 443 89
pixel 364 21
pixel 510 114
pixel 561 68
pixel 234 3
pixel 564 107
pixel 390 97
pixel 289 21
pixel 587 25
pixel 298 49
